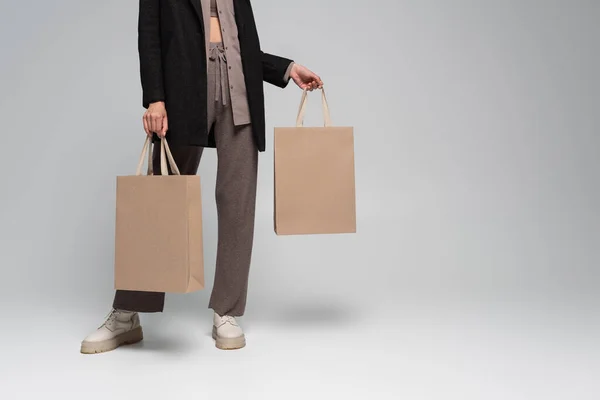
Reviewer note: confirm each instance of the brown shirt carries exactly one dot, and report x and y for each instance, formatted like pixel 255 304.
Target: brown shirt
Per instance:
pixel 235 73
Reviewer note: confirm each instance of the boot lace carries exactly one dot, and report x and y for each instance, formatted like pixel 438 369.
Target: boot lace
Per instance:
pixel 110 318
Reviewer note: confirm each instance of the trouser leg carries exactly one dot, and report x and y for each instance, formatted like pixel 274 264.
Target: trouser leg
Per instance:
pixel 236 199
pixel 187 159
pixel 235 194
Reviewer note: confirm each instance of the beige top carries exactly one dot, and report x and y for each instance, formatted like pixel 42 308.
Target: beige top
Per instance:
pixel 224 10
pixel 235 73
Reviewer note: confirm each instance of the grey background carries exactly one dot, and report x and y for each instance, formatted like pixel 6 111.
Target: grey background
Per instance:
pixel 474 272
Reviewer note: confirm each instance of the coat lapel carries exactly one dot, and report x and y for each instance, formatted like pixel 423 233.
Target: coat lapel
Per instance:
pixel 197 4
pixel 237 6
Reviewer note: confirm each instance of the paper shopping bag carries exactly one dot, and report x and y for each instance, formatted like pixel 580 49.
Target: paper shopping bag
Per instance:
pixel 314 177
pixel 158 239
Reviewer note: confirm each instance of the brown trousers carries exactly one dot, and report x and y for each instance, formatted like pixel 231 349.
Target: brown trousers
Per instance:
pixel 235 196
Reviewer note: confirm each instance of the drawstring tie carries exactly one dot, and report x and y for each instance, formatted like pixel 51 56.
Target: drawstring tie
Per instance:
pixel 217 54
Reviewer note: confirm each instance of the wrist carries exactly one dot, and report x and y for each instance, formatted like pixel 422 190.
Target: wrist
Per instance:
pixel 160 104
pixel 288 71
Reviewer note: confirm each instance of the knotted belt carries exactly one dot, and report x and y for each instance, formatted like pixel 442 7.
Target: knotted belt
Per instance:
pixel 217 54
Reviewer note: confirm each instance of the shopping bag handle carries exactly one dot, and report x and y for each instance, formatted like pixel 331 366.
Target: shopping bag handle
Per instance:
pixel 302 109
pixel 165 154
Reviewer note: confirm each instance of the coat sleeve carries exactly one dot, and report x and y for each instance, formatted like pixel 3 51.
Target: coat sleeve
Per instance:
pixel 276 69
pixel 149 49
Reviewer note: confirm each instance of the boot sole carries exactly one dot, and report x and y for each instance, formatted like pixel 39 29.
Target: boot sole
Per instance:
pixel 228 343
pixel 130 337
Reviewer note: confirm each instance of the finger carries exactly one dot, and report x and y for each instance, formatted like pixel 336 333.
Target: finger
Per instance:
pixel 150 123
pixel 320 82
pixel 165 123
pixel 153 124
pixel 146 127
pixel 158 126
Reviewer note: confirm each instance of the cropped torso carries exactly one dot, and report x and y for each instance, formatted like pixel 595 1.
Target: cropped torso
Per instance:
pixel 220 14
pixel 215 23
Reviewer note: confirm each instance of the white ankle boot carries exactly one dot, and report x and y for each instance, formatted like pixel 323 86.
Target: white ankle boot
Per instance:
pixel 121 327
pixel 227 333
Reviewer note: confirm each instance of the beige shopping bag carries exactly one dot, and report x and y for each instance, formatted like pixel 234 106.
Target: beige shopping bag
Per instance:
pixel 314 177
pixel 158 240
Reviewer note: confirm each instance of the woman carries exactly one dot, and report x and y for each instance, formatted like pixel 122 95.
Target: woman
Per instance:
pixel 204 88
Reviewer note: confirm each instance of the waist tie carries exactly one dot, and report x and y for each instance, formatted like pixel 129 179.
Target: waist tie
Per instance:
pixel 217 54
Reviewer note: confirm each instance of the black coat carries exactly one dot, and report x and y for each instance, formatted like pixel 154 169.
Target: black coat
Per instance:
pixel 173 67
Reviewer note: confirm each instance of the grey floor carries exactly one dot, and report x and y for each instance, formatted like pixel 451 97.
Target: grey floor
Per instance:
pixel 442 349
pixel 328 318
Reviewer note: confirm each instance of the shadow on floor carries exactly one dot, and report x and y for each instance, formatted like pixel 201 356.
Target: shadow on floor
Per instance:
pixel 165 344
pixel 306 315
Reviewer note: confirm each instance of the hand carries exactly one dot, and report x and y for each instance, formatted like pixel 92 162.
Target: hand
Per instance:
pixel 155 119
pixel 305 78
